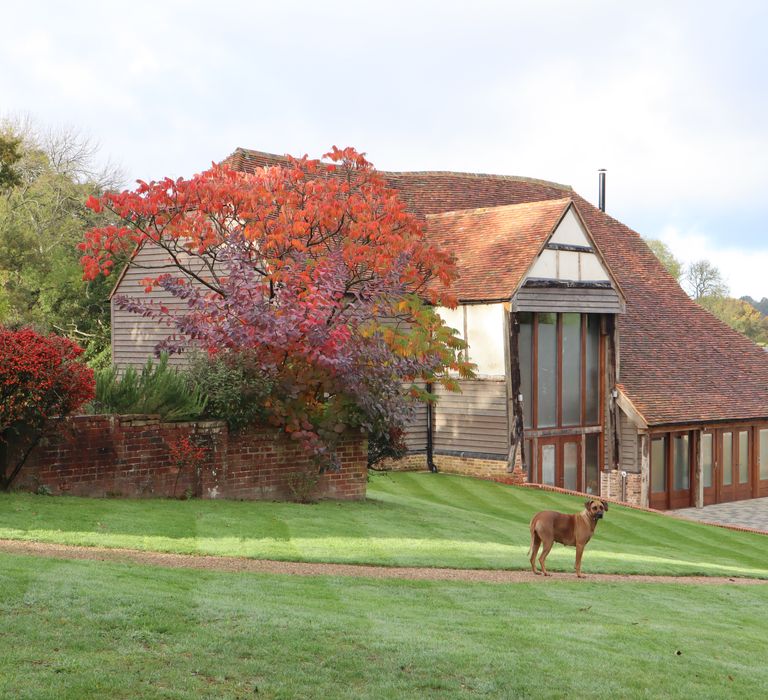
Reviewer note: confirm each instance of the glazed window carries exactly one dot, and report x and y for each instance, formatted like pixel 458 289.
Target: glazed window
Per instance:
pixel 571 357
pixel 743 457
pixel 707 460
pixel 681 465
pixel 727 459
pixel 592 466
pixel 659 465
pixel 547 370
pixel 559 356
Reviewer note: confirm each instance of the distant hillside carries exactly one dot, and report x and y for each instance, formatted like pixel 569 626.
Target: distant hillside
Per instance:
pixel 761 306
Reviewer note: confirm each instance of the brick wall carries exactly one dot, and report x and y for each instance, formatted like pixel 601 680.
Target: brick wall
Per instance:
pixel 632 492
pixel 129 456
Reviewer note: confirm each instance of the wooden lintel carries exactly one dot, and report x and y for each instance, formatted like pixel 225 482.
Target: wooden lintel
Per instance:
pixel 551 432
pixel 540 283
pixel 570 247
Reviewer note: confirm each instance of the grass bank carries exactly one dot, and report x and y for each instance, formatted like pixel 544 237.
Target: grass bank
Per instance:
pixel 414 519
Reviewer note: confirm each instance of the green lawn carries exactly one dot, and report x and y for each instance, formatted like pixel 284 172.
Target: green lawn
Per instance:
pixel 84 630
pixel 409 519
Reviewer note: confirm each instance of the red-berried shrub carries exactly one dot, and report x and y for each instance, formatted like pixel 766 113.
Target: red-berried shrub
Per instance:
pixel 185 454
pixel 40 377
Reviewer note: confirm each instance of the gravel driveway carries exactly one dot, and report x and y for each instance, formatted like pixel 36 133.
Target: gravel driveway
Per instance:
pixel 237 564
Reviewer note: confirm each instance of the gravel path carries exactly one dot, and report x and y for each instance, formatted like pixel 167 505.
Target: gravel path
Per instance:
pixel 265 566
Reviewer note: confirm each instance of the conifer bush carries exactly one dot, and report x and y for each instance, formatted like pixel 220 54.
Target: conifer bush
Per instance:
pixel 157 390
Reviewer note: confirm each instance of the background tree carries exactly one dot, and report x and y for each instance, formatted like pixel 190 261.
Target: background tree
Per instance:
pixel 9 155
pixel 42 218
pixel 739 315
pixel 315 269
pixel 662 251
pixel 702 279
pixel 761 306
pixel 704 282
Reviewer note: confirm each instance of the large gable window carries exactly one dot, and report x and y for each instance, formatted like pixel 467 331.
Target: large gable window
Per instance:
pixel 559 356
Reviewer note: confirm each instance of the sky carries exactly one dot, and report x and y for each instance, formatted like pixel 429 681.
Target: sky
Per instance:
pixel 670 97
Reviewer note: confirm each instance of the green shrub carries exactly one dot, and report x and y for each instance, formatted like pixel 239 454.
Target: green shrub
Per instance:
pixel 157 390
pixel 235 386
pixel 385 444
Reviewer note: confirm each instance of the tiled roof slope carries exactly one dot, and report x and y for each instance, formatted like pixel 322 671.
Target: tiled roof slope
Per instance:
pixel 495 246
pixel 679 364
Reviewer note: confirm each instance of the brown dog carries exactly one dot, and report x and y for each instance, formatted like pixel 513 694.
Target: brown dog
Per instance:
pixel 572 529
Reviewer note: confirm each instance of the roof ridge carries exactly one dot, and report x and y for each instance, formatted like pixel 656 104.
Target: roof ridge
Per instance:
pixel 500 207
pixel 407 173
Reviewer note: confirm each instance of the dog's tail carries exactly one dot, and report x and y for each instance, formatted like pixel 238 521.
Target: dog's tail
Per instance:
pixel 533 536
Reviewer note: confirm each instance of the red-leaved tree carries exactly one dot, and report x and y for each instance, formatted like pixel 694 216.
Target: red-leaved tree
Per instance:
pixel 315 268
pixel 40 378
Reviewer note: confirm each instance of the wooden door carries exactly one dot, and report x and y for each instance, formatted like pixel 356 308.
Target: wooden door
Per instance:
pixel 761 461
pixel 547 471
pixel 570 449
pixel 680 472
pixel 659 481
pixel 742 464
pixel 734 464
pixel 671 471
pixel 559 462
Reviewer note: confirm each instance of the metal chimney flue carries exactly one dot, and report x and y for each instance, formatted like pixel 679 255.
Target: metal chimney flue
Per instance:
pixel 601 189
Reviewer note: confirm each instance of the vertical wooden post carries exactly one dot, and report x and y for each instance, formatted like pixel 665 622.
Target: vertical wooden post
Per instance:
pixel 612 379
pixel 698 473
pixel 645 469
pixel 512 371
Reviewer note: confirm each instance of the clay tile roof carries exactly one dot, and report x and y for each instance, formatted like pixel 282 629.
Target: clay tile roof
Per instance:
pixel 435 192
pixel 679 364
pixel 495 246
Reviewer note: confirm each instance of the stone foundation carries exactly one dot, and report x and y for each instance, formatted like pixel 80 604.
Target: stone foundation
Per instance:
pixel 481 468
pixel 409 463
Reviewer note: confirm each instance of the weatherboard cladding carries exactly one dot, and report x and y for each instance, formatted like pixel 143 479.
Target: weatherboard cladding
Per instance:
pixel 596 301
pixel 473 421
pixel 679 364
pixel 629 459
pixel 134 337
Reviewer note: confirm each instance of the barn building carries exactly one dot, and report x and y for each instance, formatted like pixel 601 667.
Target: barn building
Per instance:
pixel 596 372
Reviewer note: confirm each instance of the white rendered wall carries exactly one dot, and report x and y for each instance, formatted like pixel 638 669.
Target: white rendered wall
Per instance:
pixel 453 318
pixel 485 334
pixel 570 231
pixel 569 265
